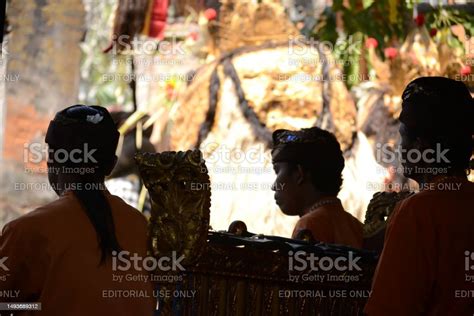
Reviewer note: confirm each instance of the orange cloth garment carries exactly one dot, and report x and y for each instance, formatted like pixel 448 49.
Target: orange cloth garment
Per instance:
pixel 427 264
pixel 330 223
pixel 53 258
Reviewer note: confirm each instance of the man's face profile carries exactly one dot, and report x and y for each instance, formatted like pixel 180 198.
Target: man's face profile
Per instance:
pixel 286 187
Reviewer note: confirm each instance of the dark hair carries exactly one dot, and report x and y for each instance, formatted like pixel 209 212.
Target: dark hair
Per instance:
pixel 439 110
pixel 326 170
pixel 100 214
pixel 73 127
pixel 317 151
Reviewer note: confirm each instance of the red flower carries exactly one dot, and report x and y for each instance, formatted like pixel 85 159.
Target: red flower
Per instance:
pixel 194 35
pixel 433 32
pixel 210 14
pixel 420 19
pixel 371 42
pixel 169 90
pixel 466 70
pixel 391 52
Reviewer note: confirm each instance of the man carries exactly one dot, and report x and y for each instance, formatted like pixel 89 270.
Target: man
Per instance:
pixel 62 254
pixel 427 264
pixel 308 166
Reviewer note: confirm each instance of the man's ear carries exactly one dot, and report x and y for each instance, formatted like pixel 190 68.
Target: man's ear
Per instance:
pixel 300 174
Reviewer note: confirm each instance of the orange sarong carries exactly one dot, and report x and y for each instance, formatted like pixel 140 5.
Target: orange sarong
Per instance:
pixel 427 264
pixel 53 258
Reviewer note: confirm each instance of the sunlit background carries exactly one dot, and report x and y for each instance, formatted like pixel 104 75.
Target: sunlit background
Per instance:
pixel 221 76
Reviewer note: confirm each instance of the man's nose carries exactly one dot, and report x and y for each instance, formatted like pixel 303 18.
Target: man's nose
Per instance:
pixel 274 186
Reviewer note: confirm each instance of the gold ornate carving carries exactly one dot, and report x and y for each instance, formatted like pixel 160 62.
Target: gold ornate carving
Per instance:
pixel 236 272
pixel 247 22
pixel 179 187
pixel 379 209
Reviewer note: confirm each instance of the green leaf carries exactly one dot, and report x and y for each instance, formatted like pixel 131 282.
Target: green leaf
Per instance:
pixel 367 3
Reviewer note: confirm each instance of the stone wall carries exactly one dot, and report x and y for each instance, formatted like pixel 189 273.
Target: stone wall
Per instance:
pixel 42 77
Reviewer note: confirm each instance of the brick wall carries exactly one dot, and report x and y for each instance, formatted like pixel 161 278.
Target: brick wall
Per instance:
pixel 24 125
pixel 42 70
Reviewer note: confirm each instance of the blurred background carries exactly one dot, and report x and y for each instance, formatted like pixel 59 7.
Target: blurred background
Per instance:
pixel 221 76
